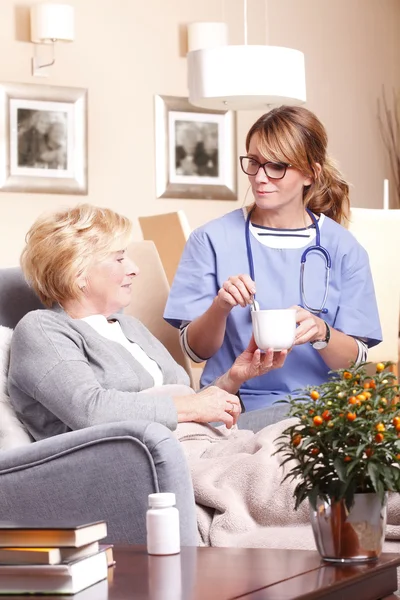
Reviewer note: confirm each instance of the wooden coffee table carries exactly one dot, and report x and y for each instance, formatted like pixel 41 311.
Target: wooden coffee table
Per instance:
pixel 247 573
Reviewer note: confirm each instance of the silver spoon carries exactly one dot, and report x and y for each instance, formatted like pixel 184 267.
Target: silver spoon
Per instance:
pixel 254 304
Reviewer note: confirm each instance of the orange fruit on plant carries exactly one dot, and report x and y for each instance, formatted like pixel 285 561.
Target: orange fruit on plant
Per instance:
pixel 351 416
pixel 369 452
pixel 372 384
pixel 379 438
pixel 346 375
pixel 326 415
pixel 361 397
pixel 367 385
pixel 380 367
pixel 317 420
pixel 347 459
pixel 315 451
pixel 380 427
pixel 296 440
pixel 352 400
pixel 396 421
pixel 314 395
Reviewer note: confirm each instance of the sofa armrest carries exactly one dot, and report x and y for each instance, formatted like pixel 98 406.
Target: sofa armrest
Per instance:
pixel 102 472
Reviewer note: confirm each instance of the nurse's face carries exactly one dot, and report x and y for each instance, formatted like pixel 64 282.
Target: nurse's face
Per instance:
pixel 276 193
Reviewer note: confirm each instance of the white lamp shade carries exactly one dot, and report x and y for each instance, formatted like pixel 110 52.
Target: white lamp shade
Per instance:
pixel 52 22
pixel 207 35
pixel 246 77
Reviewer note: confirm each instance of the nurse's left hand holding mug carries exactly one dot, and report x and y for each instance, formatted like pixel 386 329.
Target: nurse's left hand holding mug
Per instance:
pixel 236 290
pixel 310 327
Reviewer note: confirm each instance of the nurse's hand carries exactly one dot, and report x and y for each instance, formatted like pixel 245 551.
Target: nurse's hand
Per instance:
pixel 310 327
pixel 210 404
pixel 237 290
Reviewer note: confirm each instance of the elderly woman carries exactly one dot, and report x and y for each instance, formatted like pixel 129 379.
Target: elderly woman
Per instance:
pixel 81 362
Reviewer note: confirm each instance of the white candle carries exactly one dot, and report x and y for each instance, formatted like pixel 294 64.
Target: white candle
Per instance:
pixel 386 194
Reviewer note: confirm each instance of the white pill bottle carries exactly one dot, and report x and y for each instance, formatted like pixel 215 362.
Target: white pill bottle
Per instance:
pixel 162 524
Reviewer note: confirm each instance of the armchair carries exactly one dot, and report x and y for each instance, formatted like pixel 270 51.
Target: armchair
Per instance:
pixel 102 472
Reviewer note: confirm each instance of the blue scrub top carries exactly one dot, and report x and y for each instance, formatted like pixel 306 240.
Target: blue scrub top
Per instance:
pixel 217 251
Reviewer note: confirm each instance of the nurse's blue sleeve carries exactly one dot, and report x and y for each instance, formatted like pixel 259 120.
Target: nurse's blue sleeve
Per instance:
pixel 194 286
pixel 357 314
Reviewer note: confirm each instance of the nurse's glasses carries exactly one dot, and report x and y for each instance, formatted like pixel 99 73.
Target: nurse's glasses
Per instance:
pixel 251 166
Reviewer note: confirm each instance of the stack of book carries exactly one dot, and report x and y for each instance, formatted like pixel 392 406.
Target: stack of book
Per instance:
pixel 59 558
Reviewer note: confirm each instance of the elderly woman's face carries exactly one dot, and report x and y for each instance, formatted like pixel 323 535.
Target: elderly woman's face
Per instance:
pixel 108 283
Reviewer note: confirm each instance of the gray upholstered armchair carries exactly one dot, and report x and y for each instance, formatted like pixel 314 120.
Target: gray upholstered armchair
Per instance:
pixel 102 472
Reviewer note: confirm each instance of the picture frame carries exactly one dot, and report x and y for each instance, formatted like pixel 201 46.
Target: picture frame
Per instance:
pixel 195 151
pixel 43 139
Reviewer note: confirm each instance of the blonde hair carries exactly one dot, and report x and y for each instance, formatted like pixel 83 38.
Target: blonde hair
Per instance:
pixel 294 135
pixel 61 247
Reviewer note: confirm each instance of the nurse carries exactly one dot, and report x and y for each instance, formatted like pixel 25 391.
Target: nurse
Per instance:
pixel 300 199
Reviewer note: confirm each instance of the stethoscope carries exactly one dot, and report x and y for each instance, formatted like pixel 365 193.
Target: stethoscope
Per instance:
pixel 316 248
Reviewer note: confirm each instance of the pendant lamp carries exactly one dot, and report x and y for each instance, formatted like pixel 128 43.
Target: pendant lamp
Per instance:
pixel 246 77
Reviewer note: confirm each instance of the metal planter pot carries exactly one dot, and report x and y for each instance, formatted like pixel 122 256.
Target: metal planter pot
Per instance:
pixel 354 535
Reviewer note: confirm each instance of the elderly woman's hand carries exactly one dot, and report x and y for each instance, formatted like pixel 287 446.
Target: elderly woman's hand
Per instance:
pixel 210 404
pixel 251 363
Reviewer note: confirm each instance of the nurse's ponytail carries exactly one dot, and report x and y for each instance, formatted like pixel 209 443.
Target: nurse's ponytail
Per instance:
pixel 329 194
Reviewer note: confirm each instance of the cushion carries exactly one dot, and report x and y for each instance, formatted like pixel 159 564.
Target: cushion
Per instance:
pixel 12 432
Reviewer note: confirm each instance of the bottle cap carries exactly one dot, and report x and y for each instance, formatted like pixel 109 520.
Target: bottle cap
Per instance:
pixel 162 500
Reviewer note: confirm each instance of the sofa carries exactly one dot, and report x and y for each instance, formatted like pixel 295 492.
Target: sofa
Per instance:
pixel 102 472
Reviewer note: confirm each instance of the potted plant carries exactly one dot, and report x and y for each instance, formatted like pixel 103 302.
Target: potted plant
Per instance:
pixel 345 445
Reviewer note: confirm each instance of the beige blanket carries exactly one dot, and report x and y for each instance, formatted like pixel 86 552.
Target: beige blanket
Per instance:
pixel 237 484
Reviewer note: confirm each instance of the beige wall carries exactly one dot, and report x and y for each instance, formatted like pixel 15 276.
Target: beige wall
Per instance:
pixel 352 48
pixel 125 52
pixel 128 50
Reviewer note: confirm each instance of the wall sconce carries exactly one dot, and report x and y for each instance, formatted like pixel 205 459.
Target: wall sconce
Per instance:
pixel 50 23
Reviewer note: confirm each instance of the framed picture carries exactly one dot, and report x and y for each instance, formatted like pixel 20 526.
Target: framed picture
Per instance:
pixel 43 139
pixel 195 151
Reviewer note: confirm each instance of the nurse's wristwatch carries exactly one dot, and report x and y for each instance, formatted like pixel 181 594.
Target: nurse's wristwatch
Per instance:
pixel 321 344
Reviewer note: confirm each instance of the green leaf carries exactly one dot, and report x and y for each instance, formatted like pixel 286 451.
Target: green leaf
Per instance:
pixel 340 468
pixel 313 496
pixel 373 472
pixel 361 449
pixel 355 463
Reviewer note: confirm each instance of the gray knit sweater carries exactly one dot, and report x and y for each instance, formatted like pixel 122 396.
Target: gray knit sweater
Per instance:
pixel 64 375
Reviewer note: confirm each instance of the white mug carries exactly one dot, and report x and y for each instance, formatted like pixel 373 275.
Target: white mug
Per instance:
pixel 274 329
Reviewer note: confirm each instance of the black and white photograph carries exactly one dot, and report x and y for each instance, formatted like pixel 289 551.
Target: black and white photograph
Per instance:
pixel 45 146
pixel 196 148
pixel 195 151
pixel 42 138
